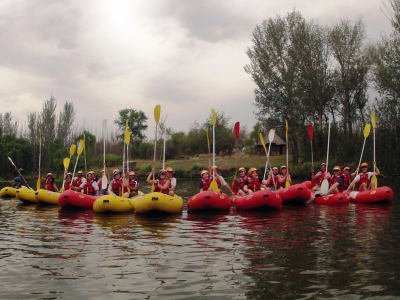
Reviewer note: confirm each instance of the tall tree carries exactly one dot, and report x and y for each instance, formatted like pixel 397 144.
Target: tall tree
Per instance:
pixel 48 128
pixel 9 126
pixel 136 122
pixel 65 122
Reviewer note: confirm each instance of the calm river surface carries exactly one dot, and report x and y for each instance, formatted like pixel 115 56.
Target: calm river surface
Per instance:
pixel 298 252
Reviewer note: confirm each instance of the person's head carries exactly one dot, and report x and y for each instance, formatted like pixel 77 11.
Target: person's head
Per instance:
pixel 364 167
pixel 132 175
pixel 252 172
pixel 68 176
pixel 103 172
pixel 116 174
pixel 214 169
pixel 336 170
pixel 275 170
pixel 323 167
pixel 346 170
pixel 20 170
pixel 90 175
pixel 162 174
pixel 283 170
pixel 204 174
pixel 170 172
pixel 50 177
pixel 242 172
pixel 80 173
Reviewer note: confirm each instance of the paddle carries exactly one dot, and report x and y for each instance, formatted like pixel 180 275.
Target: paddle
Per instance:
pixel 81 145
pixel 16 169
pixel 104 180
pixel 84 150
pixel 40 156
pixel 374 180
pixel 127 139
pixel 266 152
pixel 157 110
pixel 208 143
pixel 287 184
pixel 66 162
pixel 213 184
pixel 325 182
pixel 310 137
pixel 271 136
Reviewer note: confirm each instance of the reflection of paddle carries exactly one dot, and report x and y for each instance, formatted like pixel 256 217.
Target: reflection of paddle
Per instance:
pixel 157 110
pixel 81 145
pixel 325 182
pixel 66 162
pixel 104 180
pixel 213 184
pixel 310 136
pixel 40 156
pixel 287 183
pixel 374 180
pixel 16 169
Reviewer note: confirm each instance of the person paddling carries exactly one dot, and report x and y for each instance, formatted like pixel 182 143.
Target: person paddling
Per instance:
pixel 172 179
pixel 67 182
pixel 115 187
pixel 254 182
pixel 364 178
pixel 283 177
pixel 90 187
pixel 78 181
pixel 49 183
pixel 161 184
pixel 219 179
pixel 17 183
pixel 240 182
pixel 319 177
pixel 336 182
pixel 131 186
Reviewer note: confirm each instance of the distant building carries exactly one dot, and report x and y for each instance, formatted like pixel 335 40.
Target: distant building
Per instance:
pixel 277 146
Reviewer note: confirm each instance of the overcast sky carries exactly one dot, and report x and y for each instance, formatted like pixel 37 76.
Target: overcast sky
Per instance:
pixel 187 55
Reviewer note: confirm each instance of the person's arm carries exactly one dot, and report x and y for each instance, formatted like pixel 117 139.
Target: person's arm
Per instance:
pixel 356 179
pixel 149 180
pixel 288 178
pixel 55 187
pixel 377 172
pixel 96 188
pixel 110 191
pixel 354 174
pixel 173 184
pixel 332 188
pixel 165 186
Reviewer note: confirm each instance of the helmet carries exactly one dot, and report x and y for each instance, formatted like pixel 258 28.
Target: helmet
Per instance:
pixel 275 168
pixel 90 172
pixel 323 164
pixel 21 170
pixel 346 168
pixel 203 172
pixel 336 168
pixel 364 164
pixel 49 174
pixel 116 172
pixel 169 169
pixel 80 172
pixel 242 169
pixel 131 173
pixel 162 171
pixel 251 170
pixel 68 174
pixel 283 167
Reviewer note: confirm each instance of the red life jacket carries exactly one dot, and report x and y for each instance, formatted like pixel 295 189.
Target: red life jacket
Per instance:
pixel 276 181
pixel 49 186
pixel 77 182
pixel 334 179
pixel 346 180
pixel 132 185
pixel 67 185
pixel 281 184
pixel 205 184
pixel 116 186
pixel 364 178
pixel 88 189
pixel 253 184
pixel 157 189
pixel 242 182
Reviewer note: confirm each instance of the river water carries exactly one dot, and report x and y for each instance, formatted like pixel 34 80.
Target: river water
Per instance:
pixel 297 252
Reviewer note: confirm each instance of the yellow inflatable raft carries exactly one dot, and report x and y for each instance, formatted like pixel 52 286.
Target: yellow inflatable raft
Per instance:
pixel 112 203
pixel 158 202
pixel 47 196
pixel 26 195
pixel 8 191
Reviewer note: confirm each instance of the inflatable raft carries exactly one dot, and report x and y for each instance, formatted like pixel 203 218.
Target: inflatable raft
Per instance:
pixel 26 195
pixel 8 191
pixel 49 197
pixel 295 193
pixel 209 200
pixel 112 203
pixel 381 194
pixel 72 198
pixel 158 202
pixel 259 199
pixel 335 199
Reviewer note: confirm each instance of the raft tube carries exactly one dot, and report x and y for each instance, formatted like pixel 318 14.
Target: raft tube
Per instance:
pixel 295 193
pixel 48 197
pixel 381 194
pixel 112 203
pixel 209 200
pixel 8 191
pixel 259 199
pixel 335 199
pixel 26 195
pixel 72 198
pixel 158 202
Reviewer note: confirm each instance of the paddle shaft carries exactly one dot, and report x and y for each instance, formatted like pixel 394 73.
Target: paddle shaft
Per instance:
pixel 312 156
pixel 76 163
pixel 40 153
pixel 84 151
pixel 163 160
pixel 16 169
pixel 214 151
pixel 374 150
pixel 327 151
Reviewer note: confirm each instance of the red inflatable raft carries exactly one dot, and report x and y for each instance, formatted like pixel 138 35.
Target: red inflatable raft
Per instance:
pixel 295 193
pixel 381 194
pixel 71 198
pixel 335 199
pixel 209 200
pixel 259 199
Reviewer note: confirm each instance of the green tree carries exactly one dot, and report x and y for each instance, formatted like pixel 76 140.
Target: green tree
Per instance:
pixel 136 122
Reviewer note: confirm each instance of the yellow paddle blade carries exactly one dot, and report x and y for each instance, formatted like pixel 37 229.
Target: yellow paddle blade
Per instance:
pixel 127 136
pixel 373 118
pixel 38 184
pixel 367 130
pixel 287 127
pixel 72 149
pixel 152 187
pixel 81 145
pixel 66 163
pixel 263 143
pixel 214 117
pixel 287 184
pixel 214 186
pixel 208 139
pixel 157 110
pixel 374 181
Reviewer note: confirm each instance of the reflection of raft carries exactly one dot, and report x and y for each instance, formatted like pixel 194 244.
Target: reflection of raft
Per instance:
pixel 72 198
pixel 158 202
pixel 47 196
pixel 113 203
pixel 336 199
pixel 8 191
pixel 26 195
pixel 381 194
pixel 295 193
pixel 209 200
pixel 259 199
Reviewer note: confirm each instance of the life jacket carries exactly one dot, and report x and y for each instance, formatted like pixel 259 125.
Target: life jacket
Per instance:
pixel 49 186
pixel 334 179
pixel 116 186
pixel 77 182
pixel 205 184
pixel 157 189
pixel 241 182
pixel 67 185
pixel 364 178
pixel 346 180
pixel 280 184
pixel 276 181
pixel 132 185
pixel 253 184
pixel 88 189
